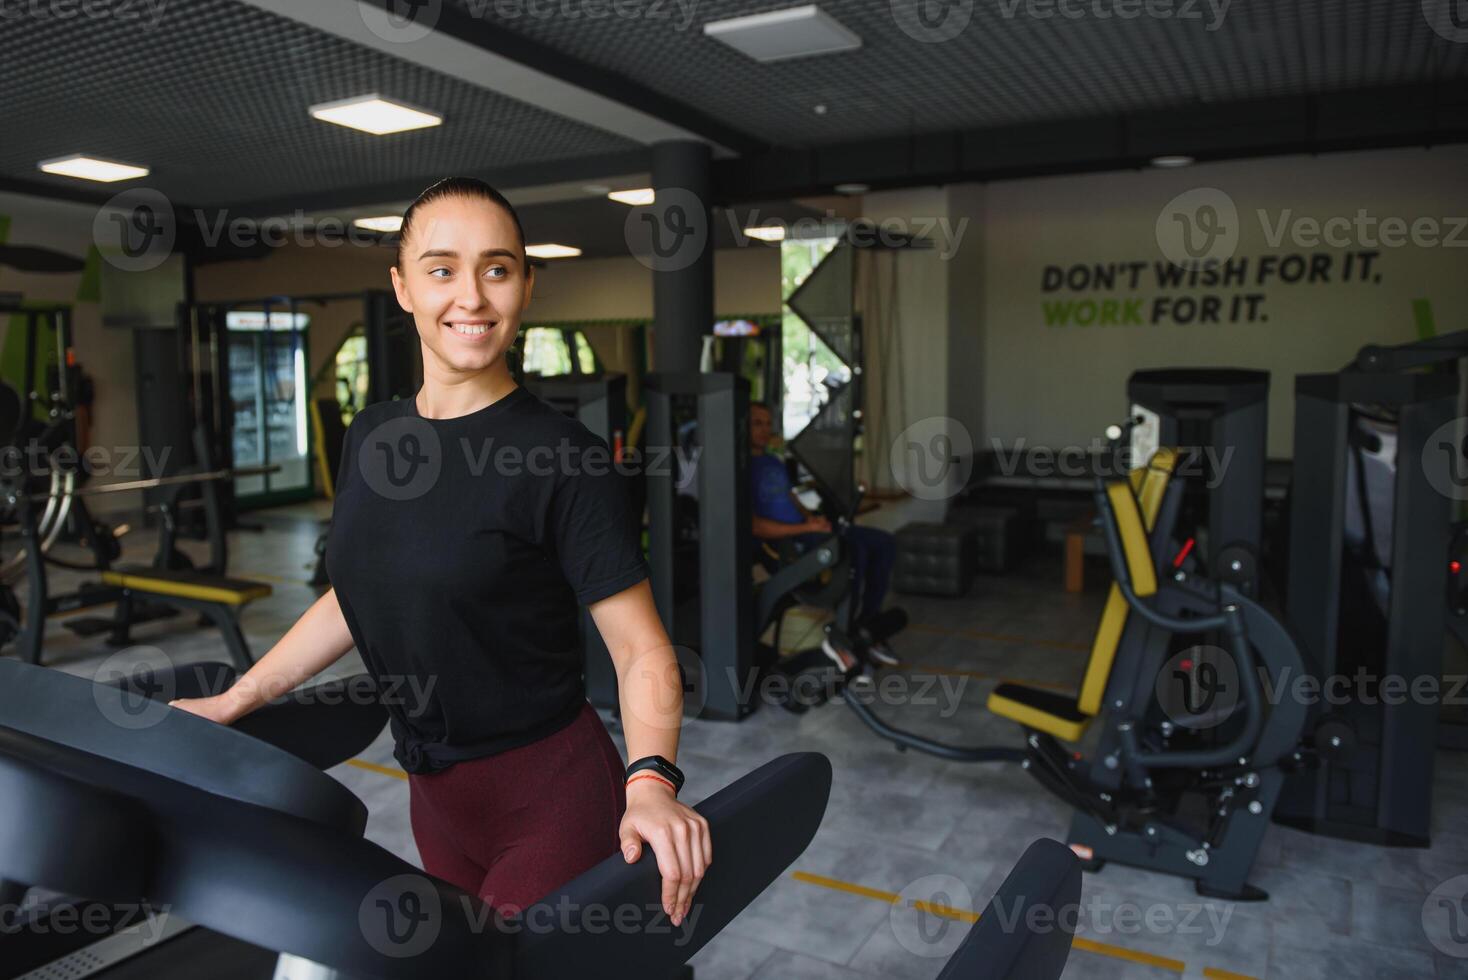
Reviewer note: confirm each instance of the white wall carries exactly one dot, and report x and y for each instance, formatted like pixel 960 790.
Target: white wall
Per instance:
pixel 1059 385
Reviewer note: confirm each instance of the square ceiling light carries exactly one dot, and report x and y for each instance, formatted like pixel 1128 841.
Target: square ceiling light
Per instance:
pixel 374 114
pixel 92 168
pixel 550 250
pixel 385 223
pixel 776 35
pixel 637 197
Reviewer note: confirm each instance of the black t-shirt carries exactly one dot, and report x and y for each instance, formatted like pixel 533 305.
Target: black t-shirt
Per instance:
pixel 461 551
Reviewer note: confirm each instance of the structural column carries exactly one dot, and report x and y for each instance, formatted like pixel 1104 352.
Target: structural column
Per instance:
pixel 682 254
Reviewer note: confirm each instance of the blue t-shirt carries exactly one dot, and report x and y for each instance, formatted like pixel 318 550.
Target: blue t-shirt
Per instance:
pixel 771 484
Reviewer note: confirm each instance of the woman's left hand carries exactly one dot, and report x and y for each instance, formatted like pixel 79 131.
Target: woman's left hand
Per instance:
pixel 679 836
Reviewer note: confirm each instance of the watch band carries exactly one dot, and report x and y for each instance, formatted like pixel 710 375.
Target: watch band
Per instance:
pixel 659 766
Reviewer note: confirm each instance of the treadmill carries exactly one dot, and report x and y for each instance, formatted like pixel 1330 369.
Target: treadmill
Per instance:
pixel 249 862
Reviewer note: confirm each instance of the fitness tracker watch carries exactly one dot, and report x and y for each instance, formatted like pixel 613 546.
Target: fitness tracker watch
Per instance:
pixel 662 767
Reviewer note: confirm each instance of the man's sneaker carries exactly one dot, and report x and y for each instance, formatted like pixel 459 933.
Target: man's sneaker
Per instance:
pixel 880 653
pixel 834 646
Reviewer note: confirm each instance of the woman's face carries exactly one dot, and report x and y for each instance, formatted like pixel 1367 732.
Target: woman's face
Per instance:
pixel 463 277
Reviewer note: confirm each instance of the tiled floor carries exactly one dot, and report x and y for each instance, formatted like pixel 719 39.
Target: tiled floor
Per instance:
pixel 1337 910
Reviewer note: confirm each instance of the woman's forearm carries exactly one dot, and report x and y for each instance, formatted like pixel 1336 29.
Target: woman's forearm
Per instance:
pixel 651 694
pixel 649 683
pixel 317 640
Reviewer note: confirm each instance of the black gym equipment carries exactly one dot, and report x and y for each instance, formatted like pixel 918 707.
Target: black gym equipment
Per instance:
pixel 258 861
pixel 218 599
pixel 1178 783
pixel 1369 582
pixel 599 403
pixel 697 466
pixel 1217 415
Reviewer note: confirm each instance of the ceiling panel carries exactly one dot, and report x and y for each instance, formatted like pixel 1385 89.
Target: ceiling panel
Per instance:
pixel 1005 66
pixel 214 98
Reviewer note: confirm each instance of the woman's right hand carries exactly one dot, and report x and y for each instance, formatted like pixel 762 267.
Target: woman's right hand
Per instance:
pixel 219 709
pixel 818 525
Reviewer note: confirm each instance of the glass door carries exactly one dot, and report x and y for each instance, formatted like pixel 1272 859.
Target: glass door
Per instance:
pixel 267 365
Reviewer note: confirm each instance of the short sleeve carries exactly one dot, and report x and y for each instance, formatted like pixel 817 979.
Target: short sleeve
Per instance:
pixel 598 539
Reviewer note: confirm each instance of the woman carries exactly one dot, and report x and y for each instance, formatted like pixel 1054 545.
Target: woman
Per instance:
pixel 471 523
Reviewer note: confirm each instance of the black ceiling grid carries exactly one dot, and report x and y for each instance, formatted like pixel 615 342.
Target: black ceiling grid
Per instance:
pixel 1004 68
pixel 215 100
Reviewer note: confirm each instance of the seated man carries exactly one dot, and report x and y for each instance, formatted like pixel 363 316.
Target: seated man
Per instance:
pixel 778 514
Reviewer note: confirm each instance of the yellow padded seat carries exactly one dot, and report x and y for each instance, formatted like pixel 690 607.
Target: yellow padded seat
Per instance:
pixel 187 584
pixel 1056 714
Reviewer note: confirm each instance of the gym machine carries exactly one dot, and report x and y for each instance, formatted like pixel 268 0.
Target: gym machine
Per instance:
pixel 1378 464
pixel 263 871
pixel 1217 416
pixel 1183 783
pixel 697 472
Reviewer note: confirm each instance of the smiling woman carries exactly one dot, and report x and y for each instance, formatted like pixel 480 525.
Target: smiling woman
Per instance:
pixel 471 523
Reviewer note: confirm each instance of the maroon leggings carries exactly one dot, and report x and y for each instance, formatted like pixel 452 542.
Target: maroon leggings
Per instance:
pixel 512 827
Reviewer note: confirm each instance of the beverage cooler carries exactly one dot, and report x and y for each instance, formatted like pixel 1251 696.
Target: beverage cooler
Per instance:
pixel 267 395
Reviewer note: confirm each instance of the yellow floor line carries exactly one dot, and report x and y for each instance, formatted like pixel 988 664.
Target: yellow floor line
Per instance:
pixel 380 770
pixel 944 911
pixel 1130 955
pixel 964 915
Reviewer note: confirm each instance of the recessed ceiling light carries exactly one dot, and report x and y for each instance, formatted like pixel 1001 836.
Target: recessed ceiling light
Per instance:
pixel 374 114
pixel 851 188
pixel 767 233
pixel 775 35
pixel 638 197
pixel 388 223
pixel 549 250
pixel 1172 160
pixel 93 168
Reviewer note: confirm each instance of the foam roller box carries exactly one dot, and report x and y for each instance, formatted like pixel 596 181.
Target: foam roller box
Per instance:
pixel 934 559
